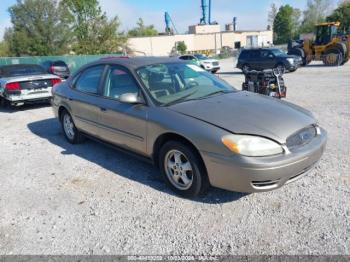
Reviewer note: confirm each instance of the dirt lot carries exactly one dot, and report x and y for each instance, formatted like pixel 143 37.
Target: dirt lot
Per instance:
pixel 89 199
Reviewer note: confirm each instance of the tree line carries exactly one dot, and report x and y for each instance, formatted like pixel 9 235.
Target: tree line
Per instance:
pixel 59 27
pixel 288 22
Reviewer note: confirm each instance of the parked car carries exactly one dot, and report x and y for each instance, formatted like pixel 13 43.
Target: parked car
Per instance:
pixel 22 83
pixel 196 128
pixel 203 61
pixel 58 67
pixel 267 58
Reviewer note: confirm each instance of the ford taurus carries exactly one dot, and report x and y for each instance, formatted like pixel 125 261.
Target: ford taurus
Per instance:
pixel 196 128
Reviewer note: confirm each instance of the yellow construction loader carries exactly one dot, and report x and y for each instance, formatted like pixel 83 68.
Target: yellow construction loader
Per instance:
pixel 330 46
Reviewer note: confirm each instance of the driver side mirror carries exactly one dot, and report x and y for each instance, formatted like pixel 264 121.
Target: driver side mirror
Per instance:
pixel 271 56
pixel 131 98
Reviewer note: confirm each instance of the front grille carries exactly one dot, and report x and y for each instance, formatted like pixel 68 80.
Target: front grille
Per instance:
pixel 215 63
pixel 301 138
pixel 265 183
pixel 35 84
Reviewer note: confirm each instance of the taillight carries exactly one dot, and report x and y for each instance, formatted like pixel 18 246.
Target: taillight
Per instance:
pixel 55 81
pixel 12 86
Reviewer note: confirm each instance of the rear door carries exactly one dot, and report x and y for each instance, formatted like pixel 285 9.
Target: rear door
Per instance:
pixel 84 100
pixel 254 59
pixel 122 124
pixel 267 60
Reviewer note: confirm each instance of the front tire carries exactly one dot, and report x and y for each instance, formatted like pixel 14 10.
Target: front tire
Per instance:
pixel 280 68
pixel 182 169
pixel 333 57
pixel 72 134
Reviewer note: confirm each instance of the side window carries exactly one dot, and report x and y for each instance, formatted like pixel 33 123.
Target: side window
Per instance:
pixel 89 80
pixel 264 54
pixel 244 55
pixel 118 82
pixel 255 54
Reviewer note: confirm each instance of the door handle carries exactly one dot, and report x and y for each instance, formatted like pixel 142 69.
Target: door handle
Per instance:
pixel 103 109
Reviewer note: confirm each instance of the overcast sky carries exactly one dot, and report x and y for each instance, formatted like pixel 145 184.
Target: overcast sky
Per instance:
pixel 251 14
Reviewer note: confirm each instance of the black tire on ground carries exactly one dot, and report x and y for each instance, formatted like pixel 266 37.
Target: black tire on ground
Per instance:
pixel 333 57
pixel 292 70
pixel 4 103
pixel 198 174
pixel 214 71
pixel 73 136
pixel 345 61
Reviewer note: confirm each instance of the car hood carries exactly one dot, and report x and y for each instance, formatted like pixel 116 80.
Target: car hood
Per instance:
pixel 209 60
pixel 248 113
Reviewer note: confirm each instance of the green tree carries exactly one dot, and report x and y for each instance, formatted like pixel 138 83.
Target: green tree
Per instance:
pixel 315 12
pixel 181 47
pixel 341 14
pixel 39 27
pixel 142 30
pixel 4 49
pixel 283 24
pixel 93 32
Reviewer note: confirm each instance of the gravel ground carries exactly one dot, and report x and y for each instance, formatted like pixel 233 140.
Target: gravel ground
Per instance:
pixel 89 199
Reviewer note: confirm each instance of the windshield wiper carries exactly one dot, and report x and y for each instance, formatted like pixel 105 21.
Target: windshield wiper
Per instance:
pixel 179 99
pixel 216 92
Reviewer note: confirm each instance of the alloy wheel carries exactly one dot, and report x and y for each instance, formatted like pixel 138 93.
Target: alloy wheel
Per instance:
pixel 68 126
pixel 178 169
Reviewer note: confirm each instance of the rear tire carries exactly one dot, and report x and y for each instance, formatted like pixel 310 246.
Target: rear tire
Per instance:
pixel 72 134
pixel 345 61
pixel 182 169
pixel 4 103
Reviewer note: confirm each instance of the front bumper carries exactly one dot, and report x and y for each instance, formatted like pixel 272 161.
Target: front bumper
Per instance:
pixel 259 174
pixel 211 67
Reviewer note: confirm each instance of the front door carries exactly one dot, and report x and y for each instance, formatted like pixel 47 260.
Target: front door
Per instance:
pixel 121 123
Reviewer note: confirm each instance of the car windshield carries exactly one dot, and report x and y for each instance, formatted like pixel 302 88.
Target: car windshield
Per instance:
pixel 277 52
pixel 200 56
pixel 172 83
pixel 21 70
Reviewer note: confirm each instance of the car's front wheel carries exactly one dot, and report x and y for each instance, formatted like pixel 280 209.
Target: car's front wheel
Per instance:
pixel 182 169
pixel 70 131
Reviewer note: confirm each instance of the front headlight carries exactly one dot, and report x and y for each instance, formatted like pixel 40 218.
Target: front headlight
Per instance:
pixel 290 60
pixel 251 145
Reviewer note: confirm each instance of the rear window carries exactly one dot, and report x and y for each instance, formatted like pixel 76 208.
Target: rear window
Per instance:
pixel 21 70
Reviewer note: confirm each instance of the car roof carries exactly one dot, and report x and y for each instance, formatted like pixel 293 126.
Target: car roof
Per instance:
pixel 259 48
pixel 137 62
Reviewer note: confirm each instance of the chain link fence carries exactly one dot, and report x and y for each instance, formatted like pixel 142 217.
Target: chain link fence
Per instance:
pixel 74 62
